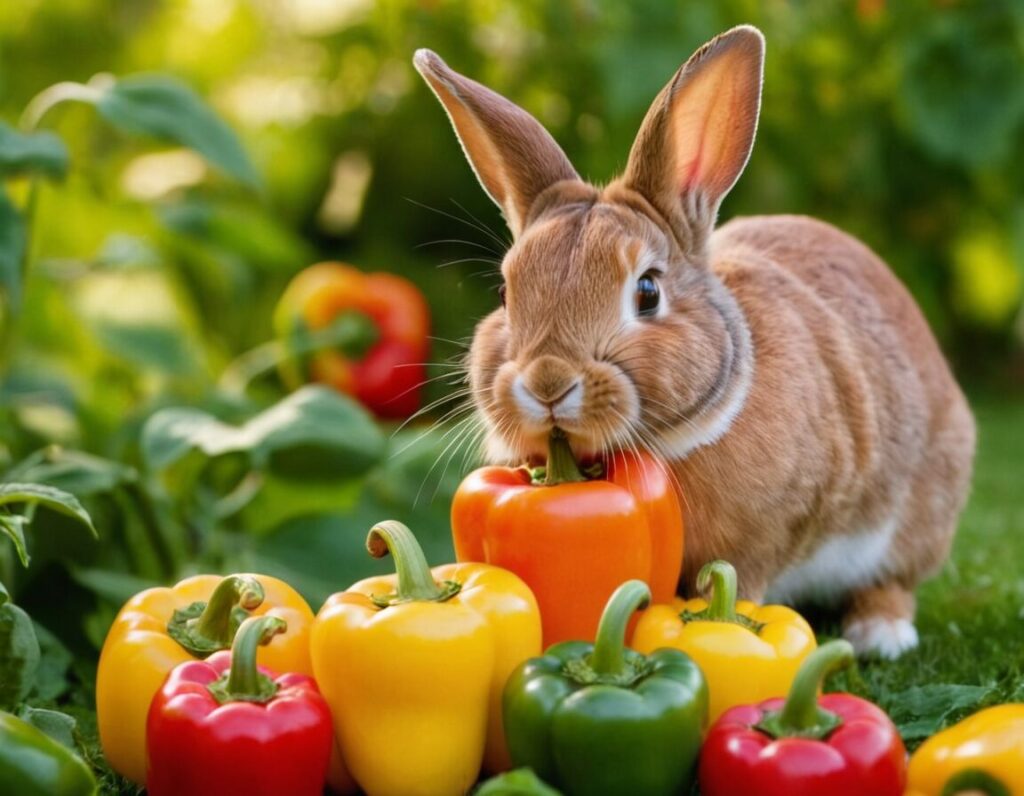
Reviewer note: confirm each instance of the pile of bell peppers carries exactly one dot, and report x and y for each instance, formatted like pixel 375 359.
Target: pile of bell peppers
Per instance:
pixel 381 323
pixel 415 683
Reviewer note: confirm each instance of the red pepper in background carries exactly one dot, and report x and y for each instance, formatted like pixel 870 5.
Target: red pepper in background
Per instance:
pixel 224 726
pixel 380 359
pixel 835 745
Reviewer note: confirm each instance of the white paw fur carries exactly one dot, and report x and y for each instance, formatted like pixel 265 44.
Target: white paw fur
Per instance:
pixel 881 637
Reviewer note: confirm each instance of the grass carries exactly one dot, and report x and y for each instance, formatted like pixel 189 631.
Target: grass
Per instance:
pixel 970 617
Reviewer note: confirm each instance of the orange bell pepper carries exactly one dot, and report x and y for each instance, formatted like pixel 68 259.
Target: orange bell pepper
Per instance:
pixel 573 540
pixel 159 628
pixel 387 376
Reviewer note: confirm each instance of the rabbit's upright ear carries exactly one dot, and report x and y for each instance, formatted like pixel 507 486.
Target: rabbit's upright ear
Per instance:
pixel 513 156
pixel 697 136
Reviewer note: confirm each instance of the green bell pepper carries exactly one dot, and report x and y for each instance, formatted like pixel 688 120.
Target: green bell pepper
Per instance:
pixel 599 719
pixel 33 764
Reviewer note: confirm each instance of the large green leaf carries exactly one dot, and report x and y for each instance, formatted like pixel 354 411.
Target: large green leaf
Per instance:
pixel 19 655
pixel 52 498
pixel 59 726
pixel 921 711
pixel 12 250
pixel 313 432
pixel 73 471
pixel 26 153
pixel 163 107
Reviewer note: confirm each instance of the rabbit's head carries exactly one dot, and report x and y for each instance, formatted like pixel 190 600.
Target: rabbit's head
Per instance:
pixel 613 326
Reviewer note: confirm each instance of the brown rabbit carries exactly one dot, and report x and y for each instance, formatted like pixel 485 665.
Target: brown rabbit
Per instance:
pixel 819 440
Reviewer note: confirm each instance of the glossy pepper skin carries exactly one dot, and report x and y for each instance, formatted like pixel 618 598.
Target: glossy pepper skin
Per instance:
pixel 413 668
pixel 387 377
pixel 574 540
pixel 747 652
pixel 601 720
pixel 803 745
pixel 984 753
pixel 139 651
pixel 225 726
pixel 33 764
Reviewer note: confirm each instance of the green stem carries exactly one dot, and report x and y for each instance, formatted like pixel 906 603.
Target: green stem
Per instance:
pixel 974 780
pixel 215 620
pixel 204 628
pixel 801 715
pixel 721 577
pixel 415 580
pixel 244 682
pixel 608 657
pixel 561 467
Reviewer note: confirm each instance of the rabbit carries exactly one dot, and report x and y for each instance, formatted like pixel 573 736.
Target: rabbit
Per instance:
pixel 818 438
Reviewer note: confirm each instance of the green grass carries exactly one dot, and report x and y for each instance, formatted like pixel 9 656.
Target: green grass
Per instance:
pixel 970 617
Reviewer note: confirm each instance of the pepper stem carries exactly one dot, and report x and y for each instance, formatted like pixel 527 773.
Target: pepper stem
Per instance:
pixel 415 580
pixel 561 467
pixel 608 657
pixel 243 681
pixel 721 577
pixel 204 628
pixel 974 780
pixel 801 716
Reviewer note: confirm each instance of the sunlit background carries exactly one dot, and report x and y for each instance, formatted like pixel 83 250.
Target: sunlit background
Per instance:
pixel 152 268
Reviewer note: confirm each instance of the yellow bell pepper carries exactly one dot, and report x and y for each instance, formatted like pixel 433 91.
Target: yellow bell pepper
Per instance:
pixel 748 653
pixel 983 754
pixel 413 667
pixel 159 628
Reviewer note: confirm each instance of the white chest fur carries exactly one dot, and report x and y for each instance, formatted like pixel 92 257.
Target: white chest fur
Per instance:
pixel 837 565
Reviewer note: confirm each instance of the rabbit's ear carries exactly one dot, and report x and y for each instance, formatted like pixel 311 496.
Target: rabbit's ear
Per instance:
pixel 697 136
pixel 513 156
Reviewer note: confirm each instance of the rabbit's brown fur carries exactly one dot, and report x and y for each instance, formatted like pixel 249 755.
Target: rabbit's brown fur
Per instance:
pixel 817 435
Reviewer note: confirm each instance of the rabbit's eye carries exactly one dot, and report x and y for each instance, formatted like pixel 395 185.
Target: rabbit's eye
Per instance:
pixel 501 294
pixel 648 296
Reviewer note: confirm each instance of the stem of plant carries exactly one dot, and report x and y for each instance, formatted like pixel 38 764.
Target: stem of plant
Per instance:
pixel 415 580
pixel 721 577
pixel 561 466
pixel 607 659
pixel 245 682
pixel 801 715
pixel 215 621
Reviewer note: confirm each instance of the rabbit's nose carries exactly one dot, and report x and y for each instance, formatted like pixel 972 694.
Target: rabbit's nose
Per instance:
pixel 549 386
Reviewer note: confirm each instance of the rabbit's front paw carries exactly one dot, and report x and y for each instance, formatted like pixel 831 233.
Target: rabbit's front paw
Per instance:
pixel 881 636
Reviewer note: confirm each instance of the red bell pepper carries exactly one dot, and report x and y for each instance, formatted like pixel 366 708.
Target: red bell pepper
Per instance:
pixel 835 745
pixel 225 726
pixel 386 371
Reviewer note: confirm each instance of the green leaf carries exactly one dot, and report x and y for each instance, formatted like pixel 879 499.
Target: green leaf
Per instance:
pixel 41 153
pixel 5 596
pixel 315 431
pixel 54 661
pixel 13 525
pixel 117 587
pixel 73 471
pixel 521 782
pixel 12 251
pixel 921 711
pixel 19 655
pixel 52 498
pixel 163 107
pixel 59 726
pixel 151 345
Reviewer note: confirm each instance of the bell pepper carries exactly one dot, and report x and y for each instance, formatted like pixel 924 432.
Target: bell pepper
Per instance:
pixel 573 540
pixel 159 628
pixel 748 652
pixel 803 745
pixel 984 753
pixel 413 666
pixel 599 719
pixel 225 726
pixel 33 764
pixel 385 372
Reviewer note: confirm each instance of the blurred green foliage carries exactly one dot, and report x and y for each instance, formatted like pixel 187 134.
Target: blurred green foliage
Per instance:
pixel 210 149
